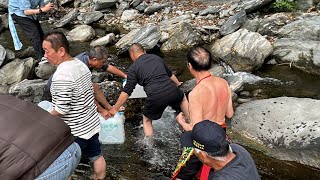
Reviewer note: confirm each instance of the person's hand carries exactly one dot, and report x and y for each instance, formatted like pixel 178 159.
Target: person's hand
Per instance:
pixel 47 7
pixel 179 84
pixel 105 114
pixel 181 119
pixel 112 111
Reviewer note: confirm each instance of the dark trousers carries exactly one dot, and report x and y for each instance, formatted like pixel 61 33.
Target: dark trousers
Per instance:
pixel 32 29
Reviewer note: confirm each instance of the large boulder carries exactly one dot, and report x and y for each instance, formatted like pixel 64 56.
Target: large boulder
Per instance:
pixel 242 50
pixel 148 36
pixel 183 37
pixel 72 15
pixel 3 54
pixel 31 90
pixel 286 128
pixel 81 33
pixel 304 55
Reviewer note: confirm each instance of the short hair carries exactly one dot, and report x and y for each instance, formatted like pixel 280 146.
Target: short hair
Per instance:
pixel 136 47
pixel 200 58
pixel 99 52
pixel 57 40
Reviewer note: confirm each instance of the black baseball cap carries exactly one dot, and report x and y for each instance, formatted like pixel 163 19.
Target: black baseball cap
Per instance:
pixel 207 136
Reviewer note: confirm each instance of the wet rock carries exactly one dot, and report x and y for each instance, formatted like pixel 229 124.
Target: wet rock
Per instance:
pixel 108 39
pixel 286 128
pixel 111 90
pixel 72 15
pixel 81 33
pixel 90 17
pixel 235 83
pixel 31 90
pixel 182 38
pixel 233 23
pixel 242 50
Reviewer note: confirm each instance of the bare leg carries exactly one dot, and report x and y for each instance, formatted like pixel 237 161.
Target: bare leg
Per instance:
pixel 69 178
pixel 147 126
pixel 100 168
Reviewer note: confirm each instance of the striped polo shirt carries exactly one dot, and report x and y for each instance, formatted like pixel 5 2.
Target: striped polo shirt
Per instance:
pixel 72 96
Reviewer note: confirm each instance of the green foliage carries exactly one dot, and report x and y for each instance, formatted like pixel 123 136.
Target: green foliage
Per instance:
pixel 284 6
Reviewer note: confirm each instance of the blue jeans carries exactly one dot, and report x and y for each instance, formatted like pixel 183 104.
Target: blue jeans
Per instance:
pixel 64 165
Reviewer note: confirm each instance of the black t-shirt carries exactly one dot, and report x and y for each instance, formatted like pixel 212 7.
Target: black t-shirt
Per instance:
pixel 150 72
pixel 242 167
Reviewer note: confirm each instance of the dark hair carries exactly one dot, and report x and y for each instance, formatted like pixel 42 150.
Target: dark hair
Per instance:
pixel 200 58
pixel 99 52
pixel 57 40
pixel 136 47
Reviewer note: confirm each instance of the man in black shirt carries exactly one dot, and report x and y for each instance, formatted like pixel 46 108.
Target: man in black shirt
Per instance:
pixel 159 83
pixel 227 162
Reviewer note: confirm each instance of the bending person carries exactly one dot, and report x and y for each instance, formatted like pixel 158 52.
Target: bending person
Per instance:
pixel 159 83
pixel 73 100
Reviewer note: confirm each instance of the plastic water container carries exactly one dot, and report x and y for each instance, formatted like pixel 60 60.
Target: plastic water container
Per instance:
pixel 112 129
pixel 46 105
pixel 138 91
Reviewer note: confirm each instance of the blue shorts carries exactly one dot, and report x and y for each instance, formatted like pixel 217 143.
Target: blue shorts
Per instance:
pixel 91 148
pixel 64 165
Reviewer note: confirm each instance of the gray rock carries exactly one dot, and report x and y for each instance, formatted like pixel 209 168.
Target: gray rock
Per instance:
pixel 183 37
pixel 3 53
pixel 109 38
pixel 4 24
pixel 210 10
pixel 129 15
pixel 299 53
pixel 45 70
pixel 90 17
pixel 251 6
pixel 31 90
pixel 242 50
pixel 104 4
pixel 154 8
pixel 148 36
pixel 142 6
pixel 67 18
pixel 4 4
pixel 286 128
pixel 63 2
pixel 233 23
pixel 22 69
pixel 10 55
pixel 305 29
pixel 135 3
pixel 122 7
pixel 81 33
pixel 304 4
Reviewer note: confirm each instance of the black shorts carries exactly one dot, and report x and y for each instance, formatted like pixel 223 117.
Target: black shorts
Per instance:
pixel 90 148
pixel 153 109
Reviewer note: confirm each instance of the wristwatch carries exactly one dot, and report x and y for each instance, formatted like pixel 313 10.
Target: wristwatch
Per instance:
pixel 40 11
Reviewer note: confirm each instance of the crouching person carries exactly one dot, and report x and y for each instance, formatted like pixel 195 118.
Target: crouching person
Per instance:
pixel 33 143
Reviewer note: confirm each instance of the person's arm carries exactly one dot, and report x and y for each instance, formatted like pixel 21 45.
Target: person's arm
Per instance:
pixel 104 113
pixel 175 80
pixel 116 71
pixel 230 111
pixel 121 100
pixel 45 8
pixel 99 96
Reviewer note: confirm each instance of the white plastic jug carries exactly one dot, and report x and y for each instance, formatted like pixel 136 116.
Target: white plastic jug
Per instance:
pixel 46 105
pixel 112 129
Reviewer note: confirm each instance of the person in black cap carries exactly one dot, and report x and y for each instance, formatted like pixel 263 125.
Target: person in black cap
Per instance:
pixel 227 161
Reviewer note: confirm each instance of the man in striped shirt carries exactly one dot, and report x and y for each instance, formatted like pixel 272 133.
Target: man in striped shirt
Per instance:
pixel 72 96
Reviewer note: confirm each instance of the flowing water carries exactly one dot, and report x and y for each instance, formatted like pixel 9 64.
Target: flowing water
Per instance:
pixel 140 158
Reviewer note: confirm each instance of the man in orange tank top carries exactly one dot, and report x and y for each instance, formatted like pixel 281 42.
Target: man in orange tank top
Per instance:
pixel 210 99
